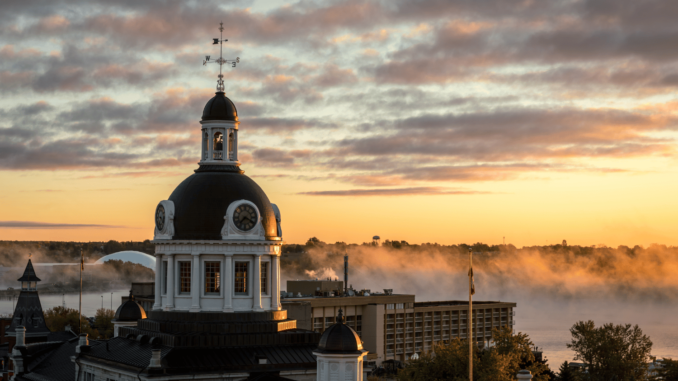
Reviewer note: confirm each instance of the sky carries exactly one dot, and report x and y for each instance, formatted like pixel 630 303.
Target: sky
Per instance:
pixel 439 121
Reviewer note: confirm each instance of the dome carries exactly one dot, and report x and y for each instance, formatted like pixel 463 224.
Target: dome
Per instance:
pixel 130 310
pixel 220 108
pixel 201 201
pixel 340 338
pixel 138 257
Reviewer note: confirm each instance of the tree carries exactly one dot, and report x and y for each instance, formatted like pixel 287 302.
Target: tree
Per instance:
pixel 58 318
pixel 510 354
pixel 518 347
pixel 566 373
pixel 669 370
pixel 611 351
pixel 103 322
pixel 450 362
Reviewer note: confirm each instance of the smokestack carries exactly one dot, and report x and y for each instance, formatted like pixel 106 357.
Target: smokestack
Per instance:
pixel 345 274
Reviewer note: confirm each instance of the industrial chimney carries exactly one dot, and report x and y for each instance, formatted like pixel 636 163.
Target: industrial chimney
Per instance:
pixel 345 274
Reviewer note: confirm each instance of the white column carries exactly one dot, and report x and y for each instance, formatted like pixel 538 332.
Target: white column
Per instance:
pixel 235 143
pixel 158 278
pixel 227 282
pixel 169 306
pixel 275 282
pixel 210 142
pixel 257 283
pixel 195 283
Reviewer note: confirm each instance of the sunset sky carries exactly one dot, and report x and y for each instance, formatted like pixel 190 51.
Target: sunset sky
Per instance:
pixel 419 120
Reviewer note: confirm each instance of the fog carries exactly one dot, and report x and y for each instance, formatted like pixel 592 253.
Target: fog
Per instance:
pixel 554 286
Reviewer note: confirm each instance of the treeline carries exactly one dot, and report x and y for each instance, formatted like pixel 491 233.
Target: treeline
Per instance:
pixel 66 252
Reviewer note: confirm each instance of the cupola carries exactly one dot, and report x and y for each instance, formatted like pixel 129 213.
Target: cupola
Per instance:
pixel 340 353
pixel 29 280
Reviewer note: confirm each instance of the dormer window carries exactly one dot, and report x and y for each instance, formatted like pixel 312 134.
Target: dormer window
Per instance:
pixel 218 152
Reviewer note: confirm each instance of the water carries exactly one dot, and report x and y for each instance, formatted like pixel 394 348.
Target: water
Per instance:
pixel 548 323
pixel 91 302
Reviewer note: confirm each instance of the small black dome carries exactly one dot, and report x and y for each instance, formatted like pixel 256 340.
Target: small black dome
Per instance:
pixel 340 338
pixel 201 201
pixel 130 310
pixel 220 108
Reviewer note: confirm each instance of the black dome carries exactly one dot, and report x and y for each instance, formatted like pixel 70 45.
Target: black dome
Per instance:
pixel 340 338
pixel 130 310
pixel 200 203
pixel 220 108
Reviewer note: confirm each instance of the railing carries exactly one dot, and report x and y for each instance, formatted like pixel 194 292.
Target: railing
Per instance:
pixel 218 155
pixel 409 329
pixel 418 320
pixel 446 326
pixel 389 330
pixel 389 351
pixel 399 330
pixel 409 340
pixel 436 338
pixel 399 341
pixel 437 318
pixel 488 324
pixel 419 329
pixel 400 320
pixel 318 325
pixel 399 351
pixel 462 326
pixel 389 341
pixel 428 318
pixel 418 339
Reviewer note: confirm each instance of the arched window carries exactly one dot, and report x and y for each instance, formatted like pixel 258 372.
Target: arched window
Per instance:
pixel 231 145
pixel 218 150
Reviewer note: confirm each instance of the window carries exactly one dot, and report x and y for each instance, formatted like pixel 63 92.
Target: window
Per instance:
pixel 400 306
pixel 185 277
pixel 218 147
pixel 241 277
pixel 212 277
pixel 264 277
pixel 389 306
pixel 164 277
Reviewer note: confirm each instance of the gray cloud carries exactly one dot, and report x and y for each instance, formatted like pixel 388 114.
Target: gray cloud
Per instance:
pixel 49 225
pixel 428 191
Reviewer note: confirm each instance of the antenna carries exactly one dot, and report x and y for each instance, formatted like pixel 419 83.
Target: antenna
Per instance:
pixel 221 61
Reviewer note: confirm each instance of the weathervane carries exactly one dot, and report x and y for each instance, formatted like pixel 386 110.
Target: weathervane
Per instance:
pixel 221 61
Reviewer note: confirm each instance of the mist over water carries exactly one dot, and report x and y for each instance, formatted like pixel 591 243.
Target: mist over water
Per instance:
pixel 554 286
pixel 91 302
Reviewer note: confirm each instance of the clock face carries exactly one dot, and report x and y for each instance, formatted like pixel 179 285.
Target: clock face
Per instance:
pixel 245 217
pixel 160 217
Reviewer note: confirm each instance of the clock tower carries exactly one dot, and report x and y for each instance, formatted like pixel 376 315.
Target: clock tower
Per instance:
pixel 217 236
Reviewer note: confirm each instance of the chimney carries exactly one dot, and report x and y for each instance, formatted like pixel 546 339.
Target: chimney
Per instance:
pixel 524 375
pixel 346 274
pixel 20 336
pixel 155 358
pixel 83 343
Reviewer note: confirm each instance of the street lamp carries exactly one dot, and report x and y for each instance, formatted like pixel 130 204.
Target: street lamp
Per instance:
pixel 102 302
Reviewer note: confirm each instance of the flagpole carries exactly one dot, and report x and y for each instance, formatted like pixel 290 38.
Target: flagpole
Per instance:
pixel 470 315
pixel 82 264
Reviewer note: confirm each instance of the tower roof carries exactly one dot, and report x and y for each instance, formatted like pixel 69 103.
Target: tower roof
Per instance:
pixel 29 274
pixel 220 108
pixel 131 310
pixel 340 338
